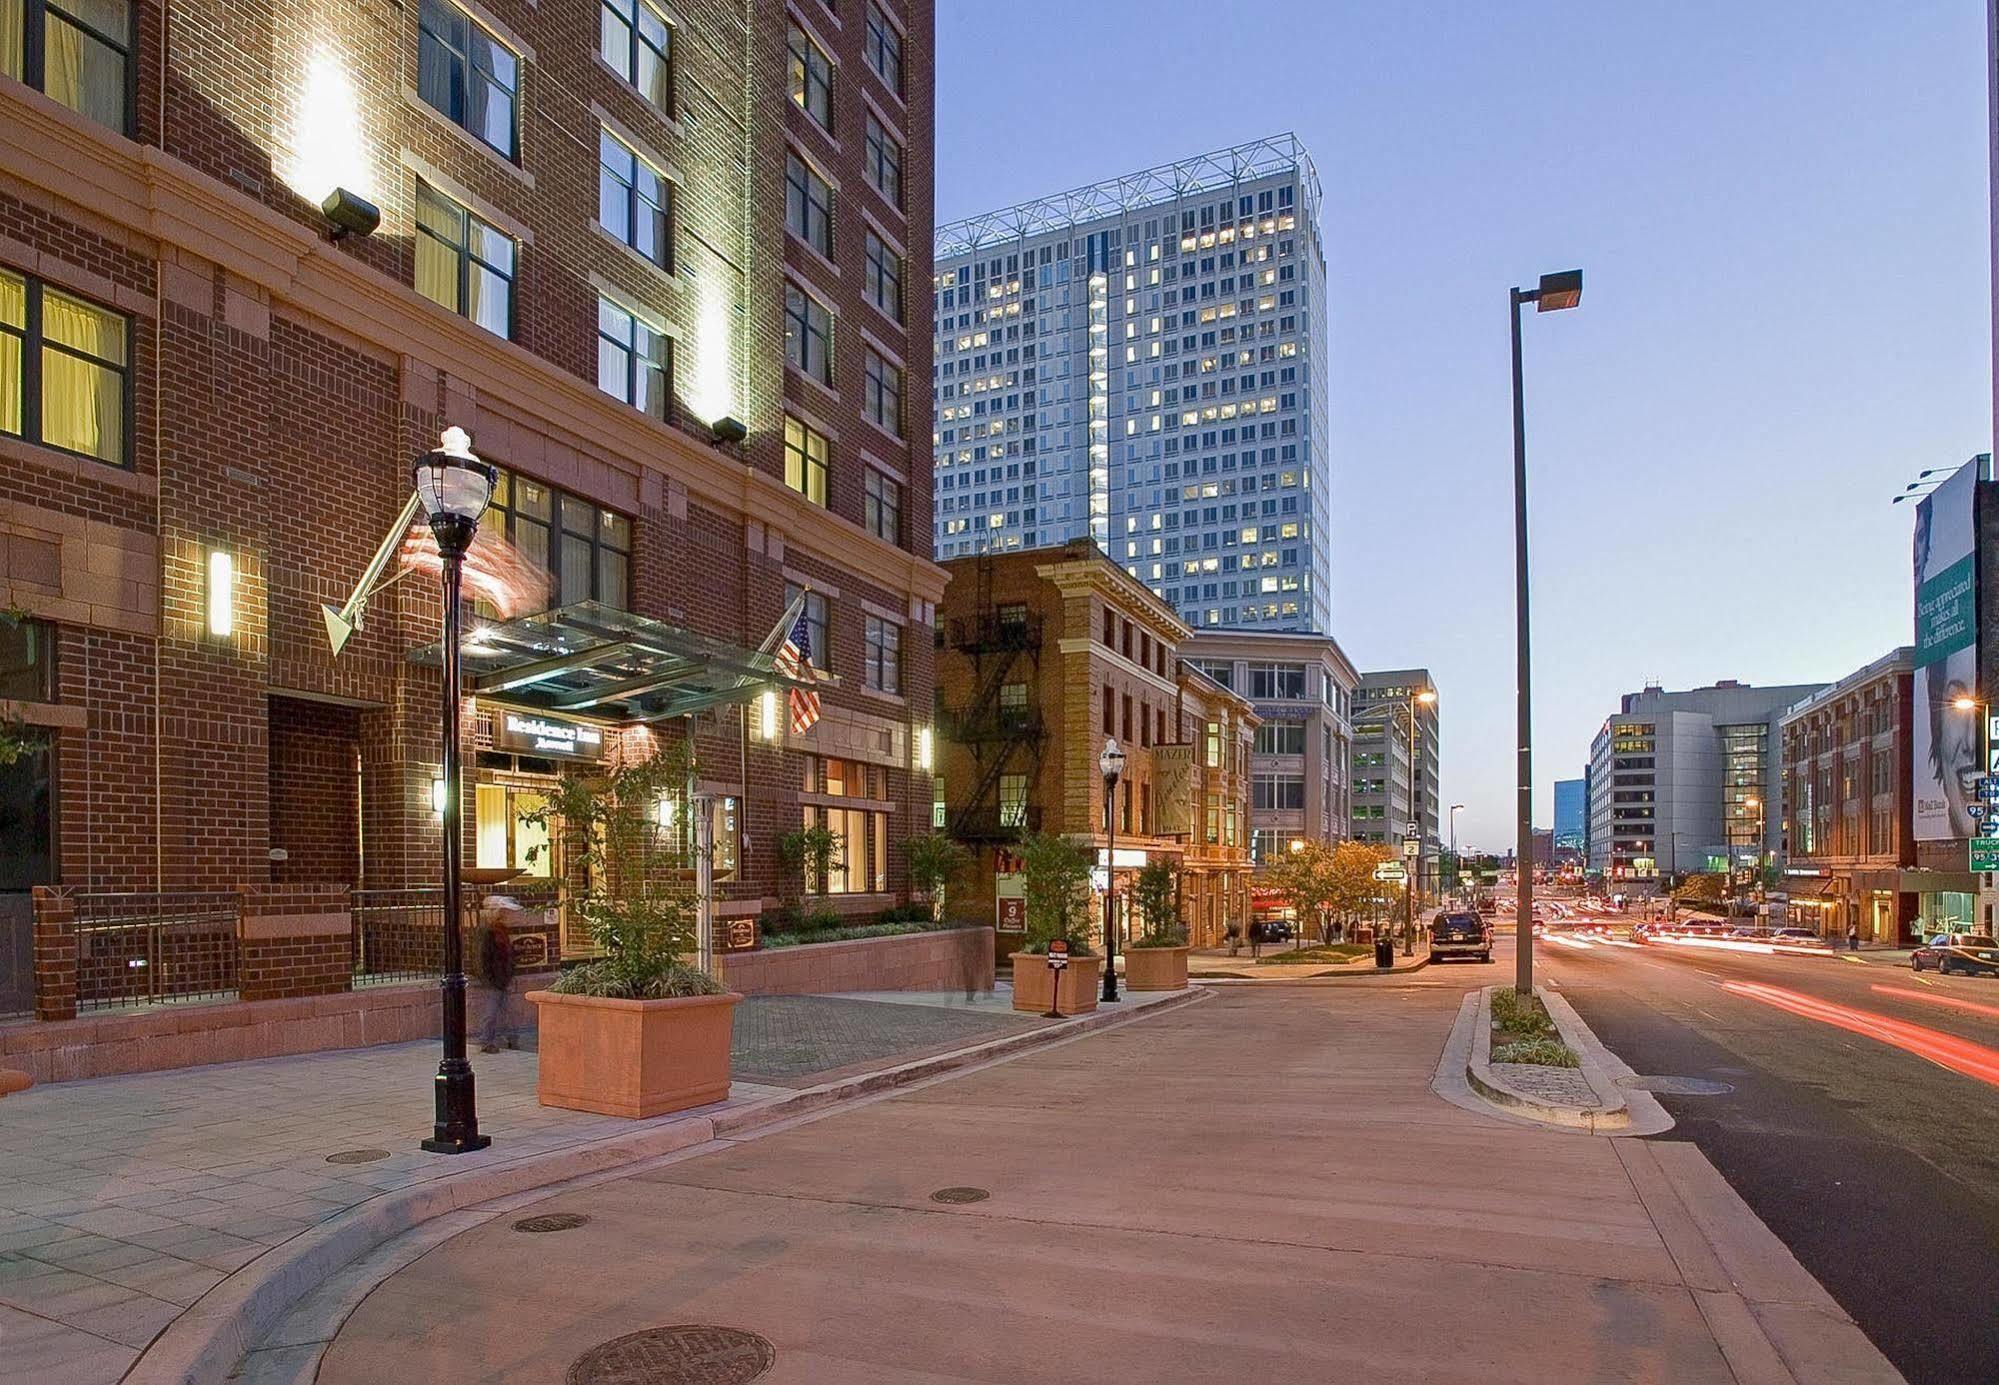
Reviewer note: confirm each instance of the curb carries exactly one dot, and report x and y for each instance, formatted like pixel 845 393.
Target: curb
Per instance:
pixel 1613 1113
pixel 1340 974
pixel 205 1343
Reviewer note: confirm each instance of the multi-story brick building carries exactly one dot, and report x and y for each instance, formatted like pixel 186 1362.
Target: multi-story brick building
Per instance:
pixel 1045 654
pixel 1850 852
pixel 606 228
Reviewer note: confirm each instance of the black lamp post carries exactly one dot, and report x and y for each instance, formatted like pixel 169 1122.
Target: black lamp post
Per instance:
pixel 1111 762
pixel 454 487
pixel 1554 293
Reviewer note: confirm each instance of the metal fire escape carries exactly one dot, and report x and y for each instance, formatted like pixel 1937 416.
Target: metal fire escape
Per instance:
pixel 999 738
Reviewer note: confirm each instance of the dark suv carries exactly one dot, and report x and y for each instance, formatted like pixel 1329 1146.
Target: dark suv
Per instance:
pixel 1460 935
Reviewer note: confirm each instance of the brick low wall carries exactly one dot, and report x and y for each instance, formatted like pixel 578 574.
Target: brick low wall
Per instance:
pixel 950 960
pixel 189 1035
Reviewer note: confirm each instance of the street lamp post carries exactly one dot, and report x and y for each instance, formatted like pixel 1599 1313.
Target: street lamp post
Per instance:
pixel 1457 866
pixel 454 487
pixel 1554 293
pixel 1111 764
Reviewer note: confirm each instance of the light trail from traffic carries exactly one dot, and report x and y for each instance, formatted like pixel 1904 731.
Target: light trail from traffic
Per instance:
pixel 1938 998
pixel 1945 1050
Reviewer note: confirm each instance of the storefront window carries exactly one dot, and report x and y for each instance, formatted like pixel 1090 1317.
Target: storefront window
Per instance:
pixel 860 863
pixel 504 839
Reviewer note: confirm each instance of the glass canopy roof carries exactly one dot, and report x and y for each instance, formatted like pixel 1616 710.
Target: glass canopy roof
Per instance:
pixel 595 661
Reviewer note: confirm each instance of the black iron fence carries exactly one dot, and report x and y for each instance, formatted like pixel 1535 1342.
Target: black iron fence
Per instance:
pixel 398 935
pixel 155 948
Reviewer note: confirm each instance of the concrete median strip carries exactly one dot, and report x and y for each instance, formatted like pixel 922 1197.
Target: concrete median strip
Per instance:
pixel 1588 1099
pixel 206 1342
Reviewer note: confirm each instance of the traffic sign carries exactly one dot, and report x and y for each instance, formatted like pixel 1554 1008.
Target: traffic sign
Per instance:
pixel 1987 789
pixel 1984 853
pixel 1412 847
pixel 1391 872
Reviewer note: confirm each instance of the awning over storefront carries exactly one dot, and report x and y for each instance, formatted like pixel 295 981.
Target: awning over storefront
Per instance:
pixel 595 661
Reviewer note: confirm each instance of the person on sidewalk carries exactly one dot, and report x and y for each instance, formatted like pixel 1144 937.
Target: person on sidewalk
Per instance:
pixel 1853 937
pixel 1233 934
pixel 496 972
pixel 1256 940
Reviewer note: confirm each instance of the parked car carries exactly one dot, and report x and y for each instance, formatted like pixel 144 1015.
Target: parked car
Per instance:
pixel 1458 934
pixel 1958 954
pixel 1797 937
pixel 1277 931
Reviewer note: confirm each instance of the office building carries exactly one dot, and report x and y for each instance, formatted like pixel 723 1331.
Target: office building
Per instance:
pixel 1141 363
pixel 1571 813
pixel 1396 783
pixel 1302 686
pixel 1690 781
pixel 661 286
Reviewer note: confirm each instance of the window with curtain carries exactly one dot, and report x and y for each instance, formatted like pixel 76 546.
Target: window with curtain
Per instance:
pixel 882 161
pixel 883 645
pixel 64 369
pixel 805 452
pixel 634 202
pixel 586 550
pixel 78 52
pixel 808 334
pixel 634 359
pixel 811 78
pixel 808 205
pixel 637 42
pixel 466 74
pixel 464 263
pixel 883 508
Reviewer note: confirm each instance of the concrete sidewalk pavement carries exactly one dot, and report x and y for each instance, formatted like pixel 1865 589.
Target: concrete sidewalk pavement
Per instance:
pixel 1261 1187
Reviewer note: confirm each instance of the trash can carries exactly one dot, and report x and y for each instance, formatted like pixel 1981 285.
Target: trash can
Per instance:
pixel 1384 950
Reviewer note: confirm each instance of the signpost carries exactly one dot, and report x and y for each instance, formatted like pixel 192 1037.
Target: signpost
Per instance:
pixel 1984 853
pixel 1391 872
pixel 1058 962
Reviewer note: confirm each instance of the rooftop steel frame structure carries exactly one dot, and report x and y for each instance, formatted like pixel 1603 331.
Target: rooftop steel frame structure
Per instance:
pixel 1121 196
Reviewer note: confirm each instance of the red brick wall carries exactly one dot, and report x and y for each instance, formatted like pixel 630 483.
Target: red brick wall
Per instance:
pixel 315 791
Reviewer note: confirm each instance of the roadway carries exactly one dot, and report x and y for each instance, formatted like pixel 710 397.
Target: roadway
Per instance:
pixel 1861 1124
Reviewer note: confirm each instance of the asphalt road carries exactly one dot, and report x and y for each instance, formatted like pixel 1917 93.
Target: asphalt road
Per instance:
pixel 1877 1165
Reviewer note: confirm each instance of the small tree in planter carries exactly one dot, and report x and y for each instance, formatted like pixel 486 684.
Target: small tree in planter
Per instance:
pixel 636 1032
pixel 1156 960
pixel 1057 890
pixel 814 851
pixel 935 860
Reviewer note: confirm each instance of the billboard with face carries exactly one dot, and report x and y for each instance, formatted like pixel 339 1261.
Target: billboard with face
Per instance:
pixel 1947 738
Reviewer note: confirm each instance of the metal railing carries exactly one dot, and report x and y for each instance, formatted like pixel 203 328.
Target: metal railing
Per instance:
pixel 398 935
pixel 155 948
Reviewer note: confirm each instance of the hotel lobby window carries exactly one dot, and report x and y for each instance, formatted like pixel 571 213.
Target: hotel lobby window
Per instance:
pixel 64 370
pixel 78 52
pixel 585 550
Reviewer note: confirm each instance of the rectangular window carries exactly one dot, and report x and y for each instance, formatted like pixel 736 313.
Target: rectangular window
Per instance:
pixel 64 370
pixel 585 550
pixel 77 52
pixel 883 643
pixel 633 360
pixel 805 453
pixel 638 44
pixel 883 48
pixel 1280 738
pixel 811 78
pixel 467 74
pixel 1013 800
pixel 463 263
pixel 884 282
pixel 815 626
pixel 881 396
pixel 725 833
pixel 881 159
pixel 808 205
pixel 883 517
pixel 633 200
pixel 808 334
pixel 1212 746
pixel 27 661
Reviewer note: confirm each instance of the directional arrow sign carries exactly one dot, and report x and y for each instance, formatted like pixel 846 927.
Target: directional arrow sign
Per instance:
pixel 1391 871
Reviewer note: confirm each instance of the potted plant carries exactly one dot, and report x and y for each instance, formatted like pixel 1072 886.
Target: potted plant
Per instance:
pixel 935 860
pixel 1057 892
pixel 1156 960
pixel 636 1032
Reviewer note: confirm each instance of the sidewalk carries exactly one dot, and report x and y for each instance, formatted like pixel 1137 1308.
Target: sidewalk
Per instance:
pixel 1259 1187
pixel 1215 964
pixel 123 1200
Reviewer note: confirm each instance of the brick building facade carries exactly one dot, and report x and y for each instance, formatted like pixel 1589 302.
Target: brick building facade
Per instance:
pixel 586 257
pixel 1043 655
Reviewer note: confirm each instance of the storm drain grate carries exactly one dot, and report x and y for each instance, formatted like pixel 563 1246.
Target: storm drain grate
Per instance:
pixel 1676 1086
pixel 960 1195
pixel 552 1221
pixel 690 1354
pixel 357 1156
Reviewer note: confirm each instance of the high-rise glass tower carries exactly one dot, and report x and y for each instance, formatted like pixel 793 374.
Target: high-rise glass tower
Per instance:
pixel 1138 362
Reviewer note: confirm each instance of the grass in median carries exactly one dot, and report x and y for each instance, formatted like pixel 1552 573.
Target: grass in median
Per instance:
pixel 1327 954
pixel 1523 1032
pixel 1546 1053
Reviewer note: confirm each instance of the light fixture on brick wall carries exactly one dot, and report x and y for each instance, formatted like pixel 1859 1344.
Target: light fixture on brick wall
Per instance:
pixel 767 714
pixel 437 795
pixel 221 594
pixel 924 755
pixel 350 214
pixel 728 429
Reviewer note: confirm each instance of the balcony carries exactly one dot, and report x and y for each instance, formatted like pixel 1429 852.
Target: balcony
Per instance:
pixel 976 725
pixel 989 634
pixel 994 823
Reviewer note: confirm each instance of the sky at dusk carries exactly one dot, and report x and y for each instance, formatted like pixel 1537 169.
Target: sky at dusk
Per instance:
pixel 1782 216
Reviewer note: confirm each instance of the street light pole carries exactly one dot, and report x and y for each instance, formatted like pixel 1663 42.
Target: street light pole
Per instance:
pixel 1555 292
pixel 1111 763
pixel 454 487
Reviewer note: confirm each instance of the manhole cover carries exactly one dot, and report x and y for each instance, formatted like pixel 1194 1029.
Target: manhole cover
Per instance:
pixel 552 1221
pixel 692 1354
pixel 357 1156
pixel 1677 1086
pixel 960 1195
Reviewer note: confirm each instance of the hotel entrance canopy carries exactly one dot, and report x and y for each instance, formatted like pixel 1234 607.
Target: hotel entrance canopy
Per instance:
pixel 595 661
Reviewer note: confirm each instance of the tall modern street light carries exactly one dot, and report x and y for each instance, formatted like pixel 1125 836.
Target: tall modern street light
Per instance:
pixel 1555 292
pixel 1111 763
pixel 1457 866
pixel 454 487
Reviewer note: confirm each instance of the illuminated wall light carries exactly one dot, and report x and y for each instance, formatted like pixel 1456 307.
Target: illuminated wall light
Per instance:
pixel 437 796
pixel 328 139
pixel 924 749
pixel 767 714
pixel 221 594
pixel 664 812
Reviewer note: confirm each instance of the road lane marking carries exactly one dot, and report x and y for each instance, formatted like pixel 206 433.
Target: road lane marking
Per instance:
pixel 1945 1050
pixel 1960 1003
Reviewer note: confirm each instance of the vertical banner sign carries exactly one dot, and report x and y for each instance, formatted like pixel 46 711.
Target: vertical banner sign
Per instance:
pixel 1946 743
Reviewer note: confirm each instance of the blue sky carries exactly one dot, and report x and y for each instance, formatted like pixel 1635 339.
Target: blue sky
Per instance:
pixel 1782 215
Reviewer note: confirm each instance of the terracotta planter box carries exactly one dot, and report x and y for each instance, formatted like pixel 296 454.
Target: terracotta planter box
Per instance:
pixel 633 1058
pixel 1156 968
pixel 1079 988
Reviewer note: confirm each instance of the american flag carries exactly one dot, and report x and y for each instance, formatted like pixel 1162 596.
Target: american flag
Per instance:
pixel 794 661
